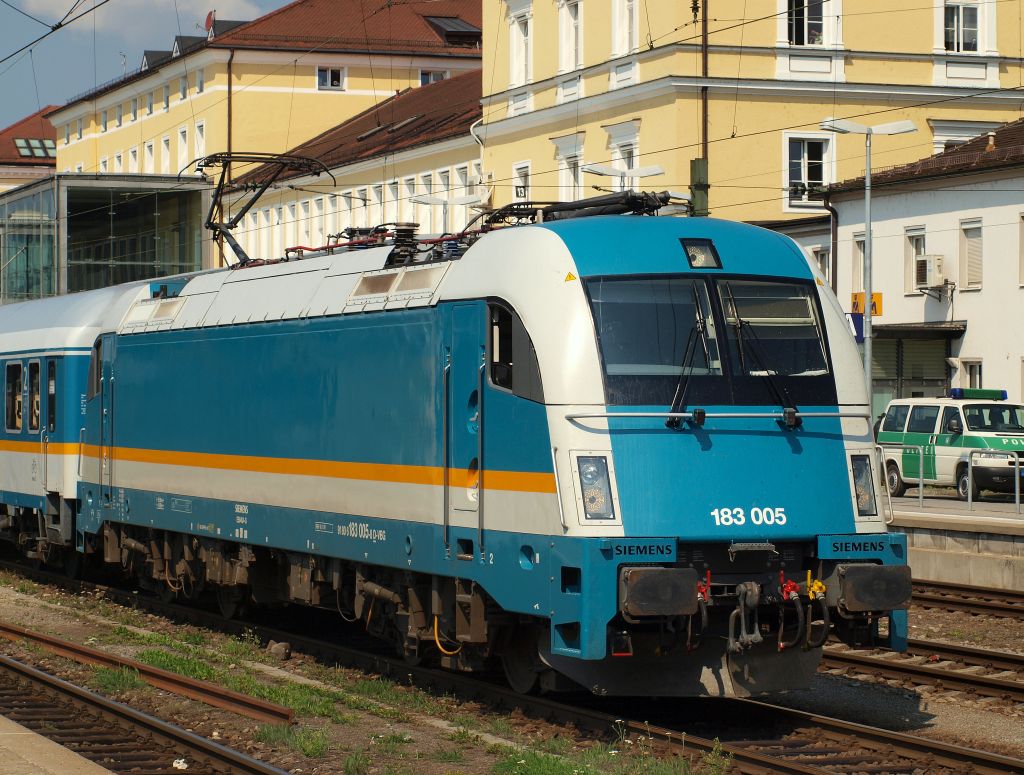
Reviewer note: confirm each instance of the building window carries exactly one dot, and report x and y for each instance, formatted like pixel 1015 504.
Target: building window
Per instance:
pixel 970 255
pixel 624 27
pixel 103 121
pixel 67 134
pixel 165 157
pixel 167 96
pixel 423 216
pixel 971 374
pixel 200 139
pixel 135 108
pixel 133 159
pixel 913 247
pixel 182 148
pixel 328 78
pixel 149 161
pixel 183 87
pixel 961 27
pixel 521 178
pixel 200 81
pixel 118 163
pixel 103 164
pixel 806 22
pixel 78 129
pixel 822 258
pixel 624 156
pixel 409 207
pixel 807 160
pixel 14 398
pixel 149 104
pixel 570 38
pixel 119 112
pixel 569 177
pixel 857 265
pixel 432 76
pixel 520 49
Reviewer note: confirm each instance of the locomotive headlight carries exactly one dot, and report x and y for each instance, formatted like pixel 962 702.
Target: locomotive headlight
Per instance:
pixel 596 487
pixel 863 485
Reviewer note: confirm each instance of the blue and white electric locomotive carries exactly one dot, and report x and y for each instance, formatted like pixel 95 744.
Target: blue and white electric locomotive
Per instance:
pixel 627 453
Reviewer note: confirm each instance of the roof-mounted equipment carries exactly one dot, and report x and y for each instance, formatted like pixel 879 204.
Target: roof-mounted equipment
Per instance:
pixel 275 165
pixel 619 203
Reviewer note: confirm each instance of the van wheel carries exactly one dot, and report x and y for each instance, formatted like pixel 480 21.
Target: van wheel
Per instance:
pixel 894 481
pixel 961 485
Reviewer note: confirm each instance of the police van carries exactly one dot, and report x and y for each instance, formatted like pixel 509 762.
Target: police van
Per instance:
pixel 946 430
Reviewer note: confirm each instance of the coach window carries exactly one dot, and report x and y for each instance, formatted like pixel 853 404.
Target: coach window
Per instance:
pixel 95 370
pixel 34 396
pixel 51 397
pixel 14 399
pixel 512 356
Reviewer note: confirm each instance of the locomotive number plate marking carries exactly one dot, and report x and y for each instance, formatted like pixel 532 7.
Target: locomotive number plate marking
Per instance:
pixel 734 517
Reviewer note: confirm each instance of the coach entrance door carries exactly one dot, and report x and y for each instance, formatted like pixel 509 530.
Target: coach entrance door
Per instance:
pixel 464 428
pixel 106 441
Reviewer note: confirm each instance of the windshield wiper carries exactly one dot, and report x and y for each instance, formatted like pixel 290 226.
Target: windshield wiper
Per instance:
pixel 757 351
pixel 699 327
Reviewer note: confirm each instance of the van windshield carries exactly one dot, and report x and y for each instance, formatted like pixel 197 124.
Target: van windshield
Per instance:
pixel 995 418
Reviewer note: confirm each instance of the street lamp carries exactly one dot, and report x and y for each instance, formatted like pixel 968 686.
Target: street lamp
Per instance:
pixel 847 127
pixel 429 199
pixel 611 171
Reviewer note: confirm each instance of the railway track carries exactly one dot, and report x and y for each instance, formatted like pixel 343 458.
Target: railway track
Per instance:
pixel 114 736
pixel 946 666
pixel 772 739
pixel 974 600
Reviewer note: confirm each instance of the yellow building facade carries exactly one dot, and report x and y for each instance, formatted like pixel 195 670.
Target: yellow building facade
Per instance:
pixel 630 85
pixel 265 86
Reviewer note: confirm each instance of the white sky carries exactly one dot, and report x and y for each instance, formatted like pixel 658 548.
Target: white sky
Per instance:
pixel 75 58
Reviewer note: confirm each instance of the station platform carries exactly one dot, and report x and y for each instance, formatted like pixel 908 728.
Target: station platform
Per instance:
pixel 23 752
pixel 947 542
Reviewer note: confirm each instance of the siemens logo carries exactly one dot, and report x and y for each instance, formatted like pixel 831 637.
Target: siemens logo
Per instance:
pixel 858 546
pixel 645 550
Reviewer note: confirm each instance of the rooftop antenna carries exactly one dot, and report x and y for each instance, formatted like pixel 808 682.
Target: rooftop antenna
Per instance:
pixel 211 18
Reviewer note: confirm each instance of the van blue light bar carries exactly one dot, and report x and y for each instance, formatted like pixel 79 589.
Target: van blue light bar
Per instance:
pixel 997 395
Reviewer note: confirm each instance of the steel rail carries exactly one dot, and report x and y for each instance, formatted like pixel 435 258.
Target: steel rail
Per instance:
pixel 903 668
pixel 819 744
pixel 203 691
pixel 216 757
pixel 971 599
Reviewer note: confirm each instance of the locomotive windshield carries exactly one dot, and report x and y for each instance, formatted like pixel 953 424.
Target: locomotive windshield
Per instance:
pixel 735 341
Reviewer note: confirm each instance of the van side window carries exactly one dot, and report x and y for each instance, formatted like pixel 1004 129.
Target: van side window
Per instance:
pixel 949 413
pixel 922 419
pixel 95 370
pixel 34 396
pixel 51 397
pixel 512 356
pixel 13 394
pixel 896 418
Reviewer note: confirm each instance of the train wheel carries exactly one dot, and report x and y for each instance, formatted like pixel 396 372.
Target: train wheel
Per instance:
pixel 521 661
pixel 231 601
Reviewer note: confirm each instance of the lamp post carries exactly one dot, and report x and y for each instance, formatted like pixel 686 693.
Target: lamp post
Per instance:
pixel 611 171
pixel 844 126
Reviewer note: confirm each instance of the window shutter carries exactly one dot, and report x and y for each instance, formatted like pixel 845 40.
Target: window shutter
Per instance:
pixel 972 250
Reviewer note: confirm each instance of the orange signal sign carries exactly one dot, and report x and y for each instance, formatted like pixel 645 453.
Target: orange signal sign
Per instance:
pixel 857 303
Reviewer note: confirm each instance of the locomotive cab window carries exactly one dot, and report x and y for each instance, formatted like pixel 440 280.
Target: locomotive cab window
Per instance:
pixel 513 360
pixel 13 397
pixel 95 370
pixel 34 396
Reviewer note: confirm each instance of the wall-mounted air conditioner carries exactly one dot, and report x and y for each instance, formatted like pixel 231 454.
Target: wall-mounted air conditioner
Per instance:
pixel 928 272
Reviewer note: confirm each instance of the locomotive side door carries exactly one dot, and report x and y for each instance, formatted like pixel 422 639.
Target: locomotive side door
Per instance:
pixel 464 426
pixel 107 420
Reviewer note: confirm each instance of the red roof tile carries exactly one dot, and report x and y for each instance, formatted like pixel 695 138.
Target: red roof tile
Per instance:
pixel 972 156
pixel 413 117
pixel 33 127
pixel 356 25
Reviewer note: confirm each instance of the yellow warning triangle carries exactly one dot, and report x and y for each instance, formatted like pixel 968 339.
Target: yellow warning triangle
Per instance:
pixel 570 277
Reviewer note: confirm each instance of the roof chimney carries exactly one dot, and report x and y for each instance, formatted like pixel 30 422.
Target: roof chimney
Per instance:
pixel 991 145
